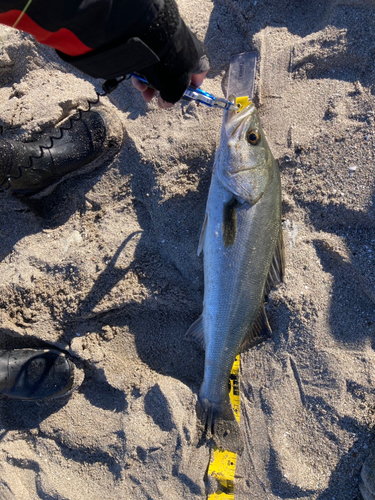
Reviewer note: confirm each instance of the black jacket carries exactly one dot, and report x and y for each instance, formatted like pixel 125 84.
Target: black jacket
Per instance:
pixel 111 38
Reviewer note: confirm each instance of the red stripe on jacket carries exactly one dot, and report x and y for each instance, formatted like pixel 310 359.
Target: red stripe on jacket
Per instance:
pixel 63 39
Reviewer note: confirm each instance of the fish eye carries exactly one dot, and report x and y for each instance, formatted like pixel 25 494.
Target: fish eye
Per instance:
pixel 253 137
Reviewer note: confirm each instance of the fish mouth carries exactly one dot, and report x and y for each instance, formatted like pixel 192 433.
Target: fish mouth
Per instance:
pixel 236 121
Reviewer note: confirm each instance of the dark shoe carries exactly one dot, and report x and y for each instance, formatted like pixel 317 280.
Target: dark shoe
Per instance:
pixel 35 374
pixel 31 167
pixel 367 480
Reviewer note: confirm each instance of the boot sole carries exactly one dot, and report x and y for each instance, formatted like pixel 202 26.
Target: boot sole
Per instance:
pixel 115 134
pixel 76 376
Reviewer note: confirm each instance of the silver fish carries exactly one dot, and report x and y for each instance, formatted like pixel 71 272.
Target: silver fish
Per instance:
pixel 243 259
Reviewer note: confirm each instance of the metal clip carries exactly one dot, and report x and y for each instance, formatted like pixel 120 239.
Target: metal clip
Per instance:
pixel 198 95
pixel 110 85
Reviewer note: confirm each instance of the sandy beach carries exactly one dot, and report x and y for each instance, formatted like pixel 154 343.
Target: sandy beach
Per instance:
pixel 106 269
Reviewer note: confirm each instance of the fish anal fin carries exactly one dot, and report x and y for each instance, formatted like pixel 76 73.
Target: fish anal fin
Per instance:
pixel 259 332
pixel 277 267
pixel 196 332
pixel 203 234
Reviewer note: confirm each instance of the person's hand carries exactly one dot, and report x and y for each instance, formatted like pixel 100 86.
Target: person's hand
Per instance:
pixel 184 62
pixel 149 93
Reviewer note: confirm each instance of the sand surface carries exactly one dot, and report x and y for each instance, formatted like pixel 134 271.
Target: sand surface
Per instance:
pixel 106 269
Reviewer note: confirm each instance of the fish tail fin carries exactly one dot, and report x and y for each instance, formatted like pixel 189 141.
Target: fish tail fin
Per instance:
pixel 220 423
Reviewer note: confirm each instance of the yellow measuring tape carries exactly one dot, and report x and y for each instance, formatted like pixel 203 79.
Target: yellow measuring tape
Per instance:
pixel 223 462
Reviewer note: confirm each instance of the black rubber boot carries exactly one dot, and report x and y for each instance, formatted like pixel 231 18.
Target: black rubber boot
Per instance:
pixel 31 167
pixel 35 374
pixel 367 479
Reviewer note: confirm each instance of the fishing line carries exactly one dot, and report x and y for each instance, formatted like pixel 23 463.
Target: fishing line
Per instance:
pixel 22 13
pixel 5 38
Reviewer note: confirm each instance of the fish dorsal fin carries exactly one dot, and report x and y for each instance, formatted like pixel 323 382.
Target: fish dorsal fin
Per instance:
pixel 203 234
pixel 277 268
pixel 260 330
pixel 196 332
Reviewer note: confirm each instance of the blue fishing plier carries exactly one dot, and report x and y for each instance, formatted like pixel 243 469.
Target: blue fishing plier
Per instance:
pixel 198 95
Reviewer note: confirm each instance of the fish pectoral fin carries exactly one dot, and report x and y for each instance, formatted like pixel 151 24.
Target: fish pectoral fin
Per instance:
pixel 259 332
pixel 219 422
pixel 203 234
pixel 277 268
pixel 230 221
pixel 196 332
